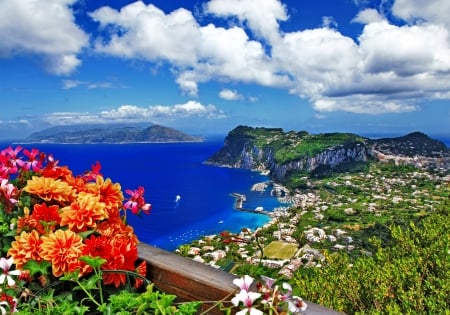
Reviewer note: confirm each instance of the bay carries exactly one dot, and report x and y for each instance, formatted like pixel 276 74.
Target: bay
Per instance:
pixel 167 170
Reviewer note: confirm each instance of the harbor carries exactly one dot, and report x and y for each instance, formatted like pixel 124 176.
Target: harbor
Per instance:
pixel 239 205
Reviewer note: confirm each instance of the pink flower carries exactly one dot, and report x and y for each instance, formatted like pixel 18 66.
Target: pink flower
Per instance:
pixel 14 161
pixel 33 162
pixel 136 201
pixel 9 191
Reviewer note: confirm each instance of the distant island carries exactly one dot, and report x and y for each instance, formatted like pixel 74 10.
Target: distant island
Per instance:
pixel 110 133
pixel 288 156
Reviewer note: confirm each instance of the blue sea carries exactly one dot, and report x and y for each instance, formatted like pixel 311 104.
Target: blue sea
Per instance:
pixel 167 170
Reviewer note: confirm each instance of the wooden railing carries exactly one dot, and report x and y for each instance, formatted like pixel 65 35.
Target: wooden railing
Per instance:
pixel 193 281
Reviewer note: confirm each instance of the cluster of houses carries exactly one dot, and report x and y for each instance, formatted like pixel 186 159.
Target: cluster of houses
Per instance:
pixel 382 190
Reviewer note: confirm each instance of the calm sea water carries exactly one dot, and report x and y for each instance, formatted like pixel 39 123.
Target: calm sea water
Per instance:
pixel 205 205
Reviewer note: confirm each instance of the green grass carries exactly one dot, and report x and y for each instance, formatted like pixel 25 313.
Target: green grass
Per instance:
pixel 280 250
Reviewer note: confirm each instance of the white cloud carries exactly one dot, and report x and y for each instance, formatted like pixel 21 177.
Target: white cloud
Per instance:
pixel 368 16
pixel 329 22
pixel 433 11
pixel 230 95
pixel 366 105
pixel 197 53
pixel 137 114
pixel 71 84
pixel 188 109
pixel 43 28
pixel 388 69
pixel 262 16
pixel 146 32
pixel 406 50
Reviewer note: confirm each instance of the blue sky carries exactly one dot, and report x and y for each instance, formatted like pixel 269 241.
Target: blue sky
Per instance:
pixel 203 67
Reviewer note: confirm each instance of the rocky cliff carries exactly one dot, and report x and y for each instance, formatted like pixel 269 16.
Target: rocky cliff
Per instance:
pixel 282 154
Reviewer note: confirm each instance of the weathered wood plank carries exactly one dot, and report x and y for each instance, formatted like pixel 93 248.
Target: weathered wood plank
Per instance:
pixel 193 281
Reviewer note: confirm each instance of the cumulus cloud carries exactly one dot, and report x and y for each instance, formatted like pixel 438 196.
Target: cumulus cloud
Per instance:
pixel 391 67
pixel 43 28
pixel 434 11
pixel 388 69
pixel 262 16
pixel 146 32
pixel 368 16
pixel 137 114
pixel 188 109
pixel 197 53
pixel 230 95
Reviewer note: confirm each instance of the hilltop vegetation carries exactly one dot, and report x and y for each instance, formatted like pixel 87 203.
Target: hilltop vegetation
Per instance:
pixel 290 156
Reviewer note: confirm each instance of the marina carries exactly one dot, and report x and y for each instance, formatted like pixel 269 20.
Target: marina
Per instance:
pixel 239 205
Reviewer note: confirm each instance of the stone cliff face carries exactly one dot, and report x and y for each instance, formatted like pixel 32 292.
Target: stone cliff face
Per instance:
pixel 252 157
pixel 329 158
pixel 242 150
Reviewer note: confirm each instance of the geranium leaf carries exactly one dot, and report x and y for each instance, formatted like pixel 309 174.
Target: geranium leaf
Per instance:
pixel 37 267
pixel 94 262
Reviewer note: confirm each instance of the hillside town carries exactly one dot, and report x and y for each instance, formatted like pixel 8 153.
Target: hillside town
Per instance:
pixel 331 214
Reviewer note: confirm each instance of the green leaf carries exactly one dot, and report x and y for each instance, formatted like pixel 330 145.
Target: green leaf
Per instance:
pixel 36 267
pixel 90 283
pixel 94 262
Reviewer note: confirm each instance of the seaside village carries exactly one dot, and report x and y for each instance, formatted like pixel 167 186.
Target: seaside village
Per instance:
pixel 381 194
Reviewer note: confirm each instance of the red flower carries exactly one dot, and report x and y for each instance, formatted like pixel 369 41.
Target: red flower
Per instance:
pixel 46 218
pixel 141 269
pixel 98 246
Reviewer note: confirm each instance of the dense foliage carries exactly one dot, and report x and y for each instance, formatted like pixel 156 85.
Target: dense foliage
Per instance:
pixel 409 277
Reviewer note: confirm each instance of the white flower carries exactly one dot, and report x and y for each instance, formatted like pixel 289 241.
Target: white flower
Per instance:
pixel 244 282
pixel 3 309
pixel 247 298
pixel 5 264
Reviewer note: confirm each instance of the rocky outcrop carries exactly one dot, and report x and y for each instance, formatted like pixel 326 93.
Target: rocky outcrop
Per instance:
pixel 257 149
pixel 252 157
pixel 284 153
pixel 330 159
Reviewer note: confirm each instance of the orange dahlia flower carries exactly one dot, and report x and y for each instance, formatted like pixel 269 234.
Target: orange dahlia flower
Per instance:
pixel 26 247
pixel 62 249
pixel 109 193
pixel 77 183
pixel 49 189
pixel 85 212
pixel 114 227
